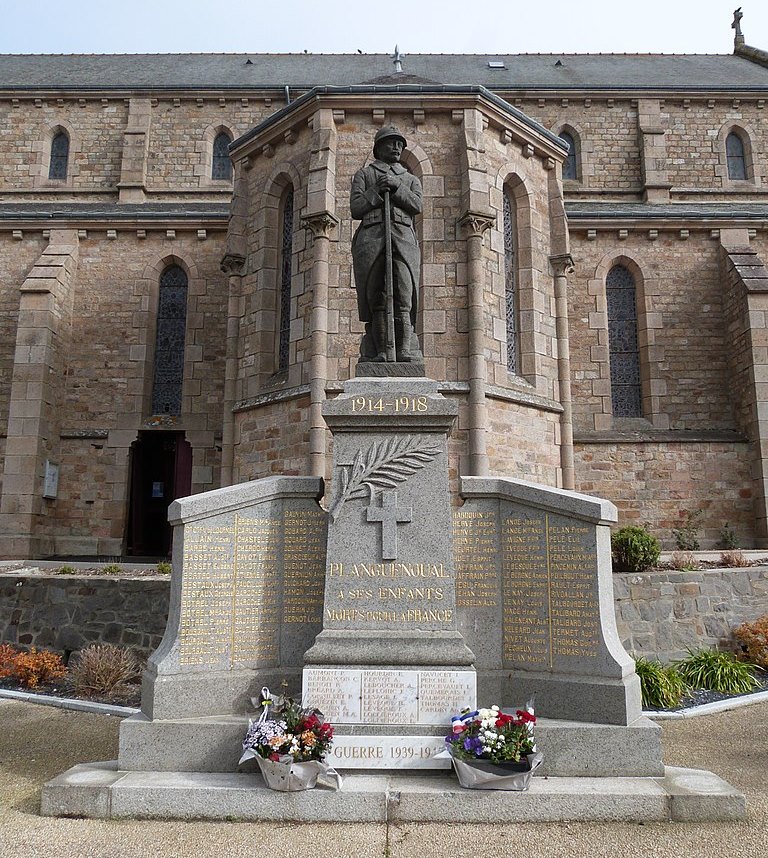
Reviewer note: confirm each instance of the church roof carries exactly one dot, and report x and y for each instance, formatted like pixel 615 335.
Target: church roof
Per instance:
pixel 496 72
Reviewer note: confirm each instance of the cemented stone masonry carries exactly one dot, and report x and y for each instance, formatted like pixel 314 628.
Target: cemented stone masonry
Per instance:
pixel 662 614
pixel 658 614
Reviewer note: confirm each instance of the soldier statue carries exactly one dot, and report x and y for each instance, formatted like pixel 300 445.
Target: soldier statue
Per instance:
pixel 385 252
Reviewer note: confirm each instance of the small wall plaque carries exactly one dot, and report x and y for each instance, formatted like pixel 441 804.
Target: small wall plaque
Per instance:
pixel 51 481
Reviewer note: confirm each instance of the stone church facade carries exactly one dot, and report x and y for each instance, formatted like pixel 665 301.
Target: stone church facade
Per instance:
pixel 176 296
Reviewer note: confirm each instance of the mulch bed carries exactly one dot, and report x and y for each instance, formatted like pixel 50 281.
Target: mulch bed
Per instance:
pixel 62 689
pixel 700 697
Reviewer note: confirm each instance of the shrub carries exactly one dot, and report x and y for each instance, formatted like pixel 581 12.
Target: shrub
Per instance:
pixel 66 570
pixel 728 539
pixel 684 561
pixel 634 549
pixel 104 669
pixel 717 671
pixel 687 535
pixel 661 687
pixel 7 655
pixel 164 568
pixel 734 559
pixel 111 569
pixel 753 637
pixel 33 667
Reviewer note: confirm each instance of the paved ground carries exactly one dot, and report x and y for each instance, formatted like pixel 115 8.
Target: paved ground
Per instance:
pixel 38 742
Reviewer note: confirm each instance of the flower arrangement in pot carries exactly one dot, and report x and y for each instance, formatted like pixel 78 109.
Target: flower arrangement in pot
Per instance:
pixel 492 749
pixel 289 744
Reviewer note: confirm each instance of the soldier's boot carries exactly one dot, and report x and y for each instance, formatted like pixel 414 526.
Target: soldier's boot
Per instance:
pixel 406 341
pixel 379 334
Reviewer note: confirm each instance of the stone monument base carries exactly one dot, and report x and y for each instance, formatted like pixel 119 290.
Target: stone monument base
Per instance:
pixel 101 791
pixel 571 748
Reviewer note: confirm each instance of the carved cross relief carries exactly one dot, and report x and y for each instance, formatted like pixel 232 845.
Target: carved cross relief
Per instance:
pixel 390 516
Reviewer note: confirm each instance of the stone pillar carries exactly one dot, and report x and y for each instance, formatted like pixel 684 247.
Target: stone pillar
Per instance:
pixel 320 225
pixel 745 287
pixel 562 266
pixel 232 266
pixel 653 151
pixel 42 342
pixel 133 169
pixel 474 225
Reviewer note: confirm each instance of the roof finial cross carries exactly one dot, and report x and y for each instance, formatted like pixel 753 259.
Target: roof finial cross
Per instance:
pixel 397 59
pixel 736 25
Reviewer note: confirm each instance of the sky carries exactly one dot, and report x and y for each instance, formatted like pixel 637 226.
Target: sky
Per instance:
pixel 418 26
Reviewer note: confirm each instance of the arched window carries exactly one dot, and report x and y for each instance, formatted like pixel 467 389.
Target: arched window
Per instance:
pixel 169 341
pixel 286 272
pixel 622 343
pixel 59 156
pixel 734 151
pixel 569 165
pixel 510 279
pixel 222 163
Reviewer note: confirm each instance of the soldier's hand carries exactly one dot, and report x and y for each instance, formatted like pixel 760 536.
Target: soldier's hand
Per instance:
pixel 387 182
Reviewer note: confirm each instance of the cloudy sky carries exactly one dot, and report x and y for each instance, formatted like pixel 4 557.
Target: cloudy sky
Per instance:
pixel 418 26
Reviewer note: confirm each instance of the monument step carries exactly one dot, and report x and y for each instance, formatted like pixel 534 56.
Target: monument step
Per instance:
pixel 99 790
pixel 571 749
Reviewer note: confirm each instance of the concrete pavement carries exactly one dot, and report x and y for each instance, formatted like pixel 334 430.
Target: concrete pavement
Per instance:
pixel 38 742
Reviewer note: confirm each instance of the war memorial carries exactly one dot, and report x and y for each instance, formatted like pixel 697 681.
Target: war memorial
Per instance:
pixel 404 587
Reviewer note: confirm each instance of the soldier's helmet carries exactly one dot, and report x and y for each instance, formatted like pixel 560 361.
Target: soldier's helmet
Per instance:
pixel 386 132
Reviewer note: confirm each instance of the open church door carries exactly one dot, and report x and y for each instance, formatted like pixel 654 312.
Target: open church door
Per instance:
pixel 161 471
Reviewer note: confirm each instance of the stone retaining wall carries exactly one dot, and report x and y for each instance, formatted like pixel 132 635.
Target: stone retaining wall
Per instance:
pixel 66 613
pixel 659 614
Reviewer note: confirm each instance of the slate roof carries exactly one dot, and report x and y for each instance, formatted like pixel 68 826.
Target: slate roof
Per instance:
pixel 302 71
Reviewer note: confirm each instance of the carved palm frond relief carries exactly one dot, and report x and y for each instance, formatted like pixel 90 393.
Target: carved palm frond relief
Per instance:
pixel 383 466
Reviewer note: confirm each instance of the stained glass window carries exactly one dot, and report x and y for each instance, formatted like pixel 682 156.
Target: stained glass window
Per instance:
pixel 734 150
pixel 510 279
pixel 569 165
pixel 169 342
pixel 286 270
pixel 222 163
pixel 622 343
pixel 59 156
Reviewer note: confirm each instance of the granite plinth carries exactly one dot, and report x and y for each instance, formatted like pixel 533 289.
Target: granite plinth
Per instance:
pixel 102 791
pixel 571 749
pixel 534 598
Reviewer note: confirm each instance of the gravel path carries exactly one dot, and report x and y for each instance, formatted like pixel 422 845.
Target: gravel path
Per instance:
pixel 38 742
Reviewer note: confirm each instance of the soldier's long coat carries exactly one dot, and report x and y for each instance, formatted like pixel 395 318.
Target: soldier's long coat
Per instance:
pixel 366 204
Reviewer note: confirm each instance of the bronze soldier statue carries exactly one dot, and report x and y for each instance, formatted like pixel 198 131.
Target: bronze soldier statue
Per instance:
pixel 383 182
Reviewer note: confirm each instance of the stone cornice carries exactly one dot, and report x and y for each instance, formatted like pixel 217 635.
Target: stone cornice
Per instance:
pixel 502 114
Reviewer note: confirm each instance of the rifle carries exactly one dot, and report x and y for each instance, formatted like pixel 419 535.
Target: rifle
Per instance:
pixel 389 287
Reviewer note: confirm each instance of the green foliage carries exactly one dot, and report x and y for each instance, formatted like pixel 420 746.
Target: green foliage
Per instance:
pixel 66 570
pixel 717 671
pixel 164 568
pixel 634 549
pixel 111 569
pixel 728 539
pixel 662 687
pixel 687 535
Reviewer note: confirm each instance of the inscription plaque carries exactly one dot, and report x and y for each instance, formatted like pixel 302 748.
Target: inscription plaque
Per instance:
pixel 389 696
pixel 549 584
pixel 252 588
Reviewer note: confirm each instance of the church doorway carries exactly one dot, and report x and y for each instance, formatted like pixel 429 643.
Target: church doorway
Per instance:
pixel 161 471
